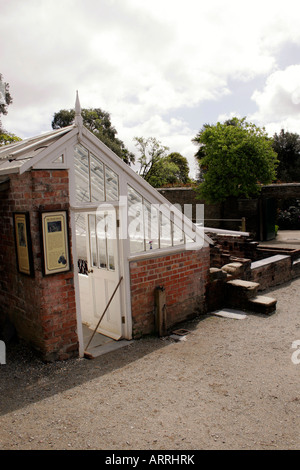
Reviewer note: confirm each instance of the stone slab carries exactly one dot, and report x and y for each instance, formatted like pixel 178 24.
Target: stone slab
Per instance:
pixel 244 284
pixel 230 313
pixel 106 348
pixel 262 304
pixel 261 299
pixel 270 260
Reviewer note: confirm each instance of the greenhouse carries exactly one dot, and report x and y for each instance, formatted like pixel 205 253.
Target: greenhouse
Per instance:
pixel 100 243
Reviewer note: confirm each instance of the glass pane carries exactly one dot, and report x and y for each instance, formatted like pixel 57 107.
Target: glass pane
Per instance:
pixel 110 254
pixel 178 236
pixel 80 236
pixel 97 179
pixel 59 159
pixel 102 253
pixel 80 227
pixel 101 239
pixel 93 240
pixel 111 185
pixel 81 164
pixel 165 231
pixel 151 226
pixel 135 221
pixel 188 239
pixel 111 238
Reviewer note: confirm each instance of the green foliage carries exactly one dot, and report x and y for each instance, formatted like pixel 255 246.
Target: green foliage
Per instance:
pixel 151 153
pixel 64 118
pixel 289 218
pixel 158 168
pixel 7 138
pixel 164 173
pixel 235 157
pixel 288 214
pixel 99 123
pixel 181 162
pixel 287 147
pixel 5 100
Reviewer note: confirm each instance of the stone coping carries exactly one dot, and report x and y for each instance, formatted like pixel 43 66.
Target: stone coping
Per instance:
pixel 266 261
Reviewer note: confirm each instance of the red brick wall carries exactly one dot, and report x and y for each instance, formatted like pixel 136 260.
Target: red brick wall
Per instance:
pixel 184 276
pixel 42 308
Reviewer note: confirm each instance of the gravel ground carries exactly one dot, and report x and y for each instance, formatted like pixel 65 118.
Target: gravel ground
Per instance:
pixel 231 384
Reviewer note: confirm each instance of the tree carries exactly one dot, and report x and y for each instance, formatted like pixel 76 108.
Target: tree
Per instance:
pixel 183 167
pixel 287 147
pixel 5 97
pixel 158 168
pixel 5 100
pixel 151 153
pixel 7 138
pixel 235 158
pixel 99 123
pixel 164 173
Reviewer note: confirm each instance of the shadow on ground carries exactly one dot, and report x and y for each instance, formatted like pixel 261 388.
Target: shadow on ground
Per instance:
pixel 25 379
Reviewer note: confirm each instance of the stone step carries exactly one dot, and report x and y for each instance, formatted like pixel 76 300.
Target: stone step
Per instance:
pixel 239 292
pixel 247 286
pixel 262 304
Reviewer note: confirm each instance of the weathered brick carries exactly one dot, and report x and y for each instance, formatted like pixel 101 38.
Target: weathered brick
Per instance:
pixel 37 306
pixel 184 276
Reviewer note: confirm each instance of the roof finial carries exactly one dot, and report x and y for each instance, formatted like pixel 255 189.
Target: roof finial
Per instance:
pixel 78 117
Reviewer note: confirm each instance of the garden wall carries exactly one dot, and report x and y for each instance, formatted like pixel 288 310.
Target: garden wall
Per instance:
pixel 226 216
pixel 256 211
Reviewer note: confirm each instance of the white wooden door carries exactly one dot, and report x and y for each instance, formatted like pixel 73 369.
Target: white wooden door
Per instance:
pixel 103 275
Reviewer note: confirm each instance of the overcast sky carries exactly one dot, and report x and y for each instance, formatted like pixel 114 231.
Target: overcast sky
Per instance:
pixel 161 68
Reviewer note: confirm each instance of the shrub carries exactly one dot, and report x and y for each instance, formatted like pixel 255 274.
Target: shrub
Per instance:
pixel 289 219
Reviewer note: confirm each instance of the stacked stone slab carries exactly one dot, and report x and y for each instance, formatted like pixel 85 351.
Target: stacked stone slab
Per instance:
pixel 243 295
pixel 228 287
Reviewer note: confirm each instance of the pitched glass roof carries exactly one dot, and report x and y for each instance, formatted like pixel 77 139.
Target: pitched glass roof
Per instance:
pixel 13 156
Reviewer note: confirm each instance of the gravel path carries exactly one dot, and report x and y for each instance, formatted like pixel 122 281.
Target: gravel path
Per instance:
pixel 230 385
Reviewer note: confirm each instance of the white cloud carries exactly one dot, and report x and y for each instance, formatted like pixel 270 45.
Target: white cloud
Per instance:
pixel 173 133
pixel 227 116
pixel 279 102
pixel 140 61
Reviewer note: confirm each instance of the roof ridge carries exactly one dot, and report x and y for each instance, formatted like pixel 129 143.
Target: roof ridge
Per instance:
pixel 9 151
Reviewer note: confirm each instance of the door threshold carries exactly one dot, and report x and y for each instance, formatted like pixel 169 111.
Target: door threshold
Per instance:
pixel 100 343
pixel 110 346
